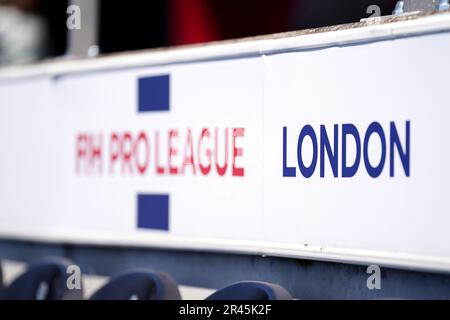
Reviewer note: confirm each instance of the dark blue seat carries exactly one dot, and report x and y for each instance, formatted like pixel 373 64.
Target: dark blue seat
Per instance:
pixel 139 284
pixel 44 280
pixel 1 278
pixel 251 290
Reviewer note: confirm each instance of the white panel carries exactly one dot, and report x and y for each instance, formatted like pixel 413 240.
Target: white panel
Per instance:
pixel 356 76
pixel 384 82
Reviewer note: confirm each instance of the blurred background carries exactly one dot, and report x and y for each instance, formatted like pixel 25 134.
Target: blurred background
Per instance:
pixel 31 30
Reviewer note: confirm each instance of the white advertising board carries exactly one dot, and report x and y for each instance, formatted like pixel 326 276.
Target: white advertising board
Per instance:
pixel 330 146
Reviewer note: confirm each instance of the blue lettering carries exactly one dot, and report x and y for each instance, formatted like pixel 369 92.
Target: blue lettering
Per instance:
pixel 287 171
pixel 307 172
pixel 404 155
pixel 350 171
pixel 332 155
pixel 374 172
pixel 323 149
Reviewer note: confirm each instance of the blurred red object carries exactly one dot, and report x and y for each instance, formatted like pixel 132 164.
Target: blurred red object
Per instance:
pixel 197 21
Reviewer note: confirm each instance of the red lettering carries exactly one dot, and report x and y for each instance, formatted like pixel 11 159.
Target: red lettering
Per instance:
pixel 221 170
pixel 126 149
pixel 133 153
pixel 114 151
pixel 96 153
pixel 237 152
pixel 159 169
pixel 141 141
pixel 204 169
pixel 188 153
pixel 80 151
pixel 89 153
pixel 172 151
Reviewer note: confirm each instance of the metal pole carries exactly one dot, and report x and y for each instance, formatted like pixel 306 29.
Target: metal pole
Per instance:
pixel 83 41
